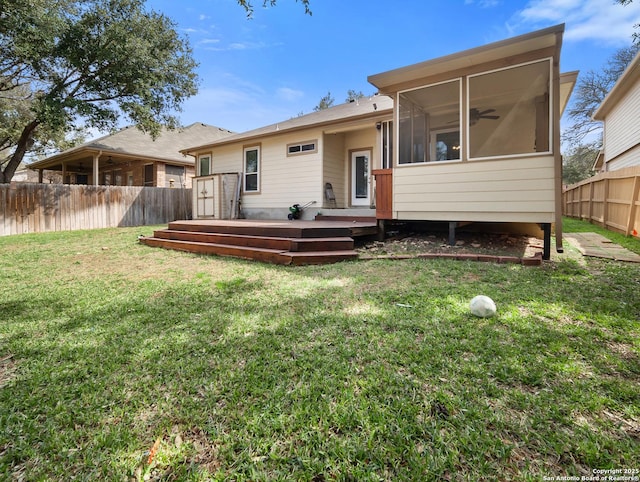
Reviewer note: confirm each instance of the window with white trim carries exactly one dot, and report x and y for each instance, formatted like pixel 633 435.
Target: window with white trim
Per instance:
pixel 509 112
pixel 422 113
pixel 307 147
pixel 251 169
pixel 204 163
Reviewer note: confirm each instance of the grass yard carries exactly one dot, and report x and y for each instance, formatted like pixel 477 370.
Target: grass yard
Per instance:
pixel 124 362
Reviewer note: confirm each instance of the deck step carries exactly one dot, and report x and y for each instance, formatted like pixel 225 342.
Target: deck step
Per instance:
pixel 358 219
pixel 275 256
pixel 288 229
pixel 269 242
pixel 321 257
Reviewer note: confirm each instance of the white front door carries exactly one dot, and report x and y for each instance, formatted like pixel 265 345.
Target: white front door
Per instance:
pixel 360 190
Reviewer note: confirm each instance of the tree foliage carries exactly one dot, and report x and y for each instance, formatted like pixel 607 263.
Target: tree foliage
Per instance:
pixel 636 35
pixel 248 6
pixel 354 95
pixel 325 102
pixel 67 62
pixel 578 162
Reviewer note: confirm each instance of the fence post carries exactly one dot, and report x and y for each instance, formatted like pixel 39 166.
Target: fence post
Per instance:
pixel 605 201
pixel 591 201
pixel 632 208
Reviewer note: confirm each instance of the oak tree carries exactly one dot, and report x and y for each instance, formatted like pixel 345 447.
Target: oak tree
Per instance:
pixel 70 63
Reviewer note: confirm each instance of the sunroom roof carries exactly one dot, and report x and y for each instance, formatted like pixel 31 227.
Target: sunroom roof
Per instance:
pixel 387 82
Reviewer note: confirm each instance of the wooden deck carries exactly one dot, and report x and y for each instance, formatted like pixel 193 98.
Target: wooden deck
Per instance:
pixel 280 242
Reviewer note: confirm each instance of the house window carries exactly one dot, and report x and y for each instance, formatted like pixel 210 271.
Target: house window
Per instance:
pixel 174 176
pixel 204 163
pixel 251 169
pixel 148 174
pixel 445 144
pixel 386 147
pixel 509 111
pixel 129 178
pixel 307 147
pixel 422 114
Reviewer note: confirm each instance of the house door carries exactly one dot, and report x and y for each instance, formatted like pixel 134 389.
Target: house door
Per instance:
pixel 360 178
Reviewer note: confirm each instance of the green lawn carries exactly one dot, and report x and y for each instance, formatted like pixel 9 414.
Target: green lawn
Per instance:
pixel 114 355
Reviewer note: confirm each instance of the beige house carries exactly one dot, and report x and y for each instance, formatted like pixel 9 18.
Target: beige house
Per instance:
pixel 131 158
pixel 295 161
pixel 470 137
pixel 620 113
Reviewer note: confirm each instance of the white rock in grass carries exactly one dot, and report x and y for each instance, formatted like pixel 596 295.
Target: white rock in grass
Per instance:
pixel 482 306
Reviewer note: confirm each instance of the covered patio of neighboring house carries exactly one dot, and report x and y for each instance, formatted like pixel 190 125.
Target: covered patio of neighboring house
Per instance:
pixel 130 157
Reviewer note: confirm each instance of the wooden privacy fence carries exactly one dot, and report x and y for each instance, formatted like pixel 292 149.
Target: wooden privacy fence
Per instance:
pixel 36 208
pixel 609 199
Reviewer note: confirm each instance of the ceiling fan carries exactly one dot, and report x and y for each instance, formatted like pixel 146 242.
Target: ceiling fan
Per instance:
pixel 476 114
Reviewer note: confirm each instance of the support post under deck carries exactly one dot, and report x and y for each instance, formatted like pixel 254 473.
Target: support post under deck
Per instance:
pixel 546 252
pixel 452 233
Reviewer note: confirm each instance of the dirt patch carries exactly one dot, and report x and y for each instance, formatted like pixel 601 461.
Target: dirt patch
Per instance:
pixel 8 368
pixel 466 243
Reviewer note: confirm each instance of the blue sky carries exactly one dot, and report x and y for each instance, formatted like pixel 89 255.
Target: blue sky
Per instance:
pixel 254 72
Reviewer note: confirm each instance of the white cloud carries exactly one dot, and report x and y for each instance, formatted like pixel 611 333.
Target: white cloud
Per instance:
pixel 600 20
pixel 483 3
pixel 290 95
pixel 208 41
pixel 238 104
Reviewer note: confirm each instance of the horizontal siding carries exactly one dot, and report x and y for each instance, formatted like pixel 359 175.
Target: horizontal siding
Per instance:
pixel 628 159
pixel 500 190
pixel 477 216
pixel 227 159
pixel 286 180
pixel 622 127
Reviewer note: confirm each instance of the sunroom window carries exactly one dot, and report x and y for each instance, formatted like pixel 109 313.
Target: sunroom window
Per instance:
pixel 429 120
pixel 509 111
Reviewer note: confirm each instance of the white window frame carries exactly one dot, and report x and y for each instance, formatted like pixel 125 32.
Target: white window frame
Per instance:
pixel 201 158
pixel 302 145
pixel 433 141
pixel 245 174
pixel 396 147
pixel 467 144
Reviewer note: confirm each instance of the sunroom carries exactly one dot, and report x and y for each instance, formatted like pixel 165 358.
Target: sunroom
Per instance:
pixel 478 136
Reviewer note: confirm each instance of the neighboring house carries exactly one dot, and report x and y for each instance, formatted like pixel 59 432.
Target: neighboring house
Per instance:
pixel 470 137
pixel 131 158
pixel 29 175
pixel 620 113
